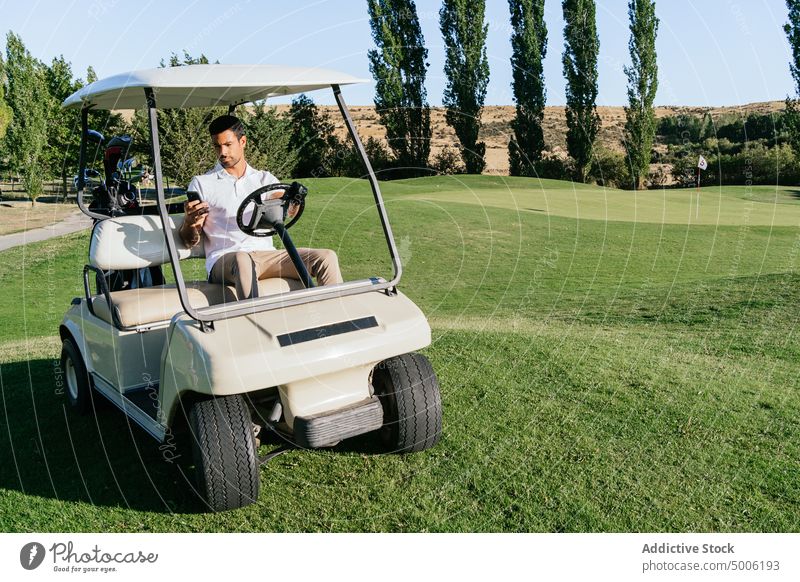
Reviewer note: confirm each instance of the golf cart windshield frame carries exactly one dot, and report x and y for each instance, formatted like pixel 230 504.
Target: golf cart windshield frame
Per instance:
pixel 258 304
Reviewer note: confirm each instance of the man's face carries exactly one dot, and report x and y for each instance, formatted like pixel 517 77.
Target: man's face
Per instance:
pixel 229 148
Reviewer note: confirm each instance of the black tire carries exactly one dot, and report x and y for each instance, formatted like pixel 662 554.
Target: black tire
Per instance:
pixel 412 406
pixel 77 383
pixel 224 451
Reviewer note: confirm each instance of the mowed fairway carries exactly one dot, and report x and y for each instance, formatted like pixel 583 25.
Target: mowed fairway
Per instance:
pixel 728 205
pixel 609 361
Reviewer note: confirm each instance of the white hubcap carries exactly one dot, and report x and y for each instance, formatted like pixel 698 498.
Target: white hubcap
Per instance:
pixel 72 379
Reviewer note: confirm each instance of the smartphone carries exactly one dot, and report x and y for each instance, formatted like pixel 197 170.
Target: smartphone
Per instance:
pixel 192 196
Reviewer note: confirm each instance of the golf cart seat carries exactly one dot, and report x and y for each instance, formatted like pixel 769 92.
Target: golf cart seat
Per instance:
pixel 134 242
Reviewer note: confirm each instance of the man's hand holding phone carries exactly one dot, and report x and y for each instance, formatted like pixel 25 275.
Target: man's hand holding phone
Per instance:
pixel 195 210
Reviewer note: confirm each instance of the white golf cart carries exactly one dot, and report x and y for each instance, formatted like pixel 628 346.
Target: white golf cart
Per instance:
pixel 315 365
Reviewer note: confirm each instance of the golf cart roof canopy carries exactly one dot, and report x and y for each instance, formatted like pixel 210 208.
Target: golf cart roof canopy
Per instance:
pixel 203 86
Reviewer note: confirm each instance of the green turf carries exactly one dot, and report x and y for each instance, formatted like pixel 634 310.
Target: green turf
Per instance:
pixel 597 375
pixel 729 205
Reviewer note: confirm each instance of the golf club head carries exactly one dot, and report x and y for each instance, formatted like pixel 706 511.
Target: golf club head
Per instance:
pixel 95 136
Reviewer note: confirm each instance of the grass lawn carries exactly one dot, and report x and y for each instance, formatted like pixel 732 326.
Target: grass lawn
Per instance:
pixel 605 366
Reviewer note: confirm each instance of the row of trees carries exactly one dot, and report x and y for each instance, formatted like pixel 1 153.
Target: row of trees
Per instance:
pixel 33 128
pixel 399 66
pixel 40 141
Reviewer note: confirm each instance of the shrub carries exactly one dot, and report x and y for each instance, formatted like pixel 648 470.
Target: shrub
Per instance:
pixel 312 139
pixel 345 160
pixel 682 129
pixel 379 155
pixel 751 128
pixel 268 145
pixel 555 168
pixel 448 162
pixel 684 169
pixel 611 169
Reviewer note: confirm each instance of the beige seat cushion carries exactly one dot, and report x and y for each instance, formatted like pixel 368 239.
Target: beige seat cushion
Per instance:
pixel 274 286
pixel 156 304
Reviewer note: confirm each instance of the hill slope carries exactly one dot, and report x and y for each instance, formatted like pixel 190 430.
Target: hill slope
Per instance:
pixel 497 126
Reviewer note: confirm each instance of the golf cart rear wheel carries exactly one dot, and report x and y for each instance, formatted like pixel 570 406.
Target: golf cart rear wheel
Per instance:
pixel 412 407
pixel 224 450
pixel 77 383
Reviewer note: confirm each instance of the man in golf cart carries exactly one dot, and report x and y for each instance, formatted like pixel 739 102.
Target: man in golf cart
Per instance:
pixel 233 257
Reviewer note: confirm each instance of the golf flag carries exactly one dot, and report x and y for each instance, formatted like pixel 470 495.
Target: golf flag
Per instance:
pixel 702 164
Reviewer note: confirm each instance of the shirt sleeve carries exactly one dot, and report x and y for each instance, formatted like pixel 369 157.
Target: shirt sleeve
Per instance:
pixel 268 179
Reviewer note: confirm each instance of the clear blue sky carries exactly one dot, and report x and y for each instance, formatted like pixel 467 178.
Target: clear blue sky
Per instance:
pixel 711 52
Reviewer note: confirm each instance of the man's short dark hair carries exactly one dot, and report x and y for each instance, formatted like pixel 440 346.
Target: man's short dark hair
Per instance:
pixel 224 123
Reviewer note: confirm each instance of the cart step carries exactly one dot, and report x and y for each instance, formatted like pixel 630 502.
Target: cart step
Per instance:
pixel 145 398
pixel 327 429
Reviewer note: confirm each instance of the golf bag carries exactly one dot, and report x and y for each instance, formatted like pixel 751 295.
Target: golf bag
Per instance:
pixel 117 195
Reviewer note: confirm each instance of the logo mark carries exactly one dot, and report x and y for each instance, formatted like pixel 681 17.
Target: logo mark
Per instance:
pixel 31 555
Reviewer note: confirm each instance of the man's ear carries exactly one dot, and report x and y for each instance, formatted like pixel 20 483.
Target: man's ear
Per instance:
pixel 243 141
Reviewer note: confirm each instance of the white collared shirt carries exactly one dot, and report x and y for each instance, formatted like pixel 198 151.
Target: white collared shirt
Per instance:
pixel 224 194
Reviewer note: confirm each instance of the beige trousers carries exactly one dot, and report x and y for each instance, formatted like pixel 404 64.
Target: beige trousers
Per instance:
pixel 243 269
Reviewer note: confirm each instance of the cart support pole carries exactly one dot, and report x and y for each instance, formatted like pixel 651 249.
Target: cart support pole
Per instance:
pixel 164 213
pixel 82 150
pixel 373 182
pixel 81 186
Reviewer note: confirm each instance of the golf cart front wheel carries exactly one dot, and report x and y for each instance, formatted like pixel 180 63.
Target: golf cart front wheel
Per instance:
pixel 224 451
pixel 77 383
pixel 412 406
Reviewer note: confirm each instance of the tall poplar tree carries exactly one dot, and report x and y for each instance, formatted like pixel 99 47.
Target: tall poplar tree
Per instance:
pixel 640 122
pixel 529 47
pixel 312 139
pixel 5 110
pixel 581 47
pixel 398 66
pixel 792 115
pixel 60 156
pixel 467 69
pixel 28 98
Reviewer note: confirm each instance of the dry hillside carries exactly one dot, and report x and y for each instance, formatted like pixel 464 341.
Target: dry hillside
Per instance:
pixel 496 126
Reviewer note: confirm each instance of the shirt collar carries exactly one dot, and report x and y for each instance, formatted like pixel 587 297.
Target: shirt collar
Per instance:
pixel 221 173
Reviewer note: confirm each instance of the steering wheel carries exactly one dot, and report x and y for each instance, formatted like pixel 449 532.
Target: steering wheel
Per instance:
pixel 268 212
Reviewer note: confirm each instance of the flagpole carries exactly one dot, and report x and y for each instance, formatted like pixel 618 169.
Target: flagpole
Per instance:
pixel 702 164
pixel 697 189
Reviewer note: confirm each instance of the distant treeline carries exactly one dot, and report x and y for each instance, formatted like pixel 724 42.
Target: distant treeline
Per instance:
pixel 752 149
pixel 695 129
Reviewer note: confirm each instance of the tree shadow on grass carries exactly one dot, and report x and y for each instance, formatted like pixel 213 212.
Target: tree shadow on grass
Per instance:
pixel 102 458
